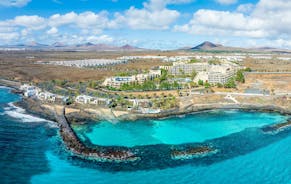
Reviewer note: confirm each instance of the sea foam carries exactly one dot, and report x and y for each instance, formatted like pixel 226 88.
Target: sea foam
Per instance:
pixel 20 114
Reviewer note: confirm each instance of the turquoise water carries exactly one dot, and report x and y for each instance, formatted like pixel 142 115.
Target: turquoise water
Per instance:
pixel 31 152
pixel 176 130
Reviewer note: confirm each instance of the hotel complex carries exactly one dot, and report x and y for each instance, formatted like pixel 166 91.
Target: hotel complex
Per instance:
pixel 206 72
pixel 118 81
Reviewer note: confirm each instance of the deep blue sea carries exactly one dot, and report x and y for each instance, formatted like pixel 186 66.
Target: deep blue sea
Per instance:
pixel 31 150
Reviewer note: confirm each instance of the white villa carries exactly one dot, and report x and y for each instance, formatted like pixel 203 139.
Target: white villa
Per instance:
pixel 85 99
pixel 29 90
pixel 46 96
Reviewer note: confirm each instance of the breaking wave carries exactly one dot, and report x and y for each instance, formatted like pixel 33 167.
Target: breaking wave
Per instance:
pixel 20 114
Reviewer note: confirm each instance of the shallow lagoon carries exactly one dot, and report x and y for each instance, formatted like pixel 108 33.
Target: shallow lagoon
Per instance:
pixel 197 127
pixel 32 152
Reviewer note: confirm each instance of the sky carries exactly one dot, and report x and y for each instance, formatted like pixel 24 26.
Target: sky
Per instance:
pixel 154 24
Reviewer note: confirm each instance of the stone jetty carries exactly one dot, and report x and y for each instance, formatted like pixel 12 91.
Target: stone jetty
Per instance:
pixel 101 154
pixel 192 152
pixel 277 127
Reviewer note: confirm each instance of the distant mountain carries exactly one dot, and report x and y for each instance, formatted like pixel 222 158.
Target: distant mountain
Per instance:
pixel 206 46
pixel 209 46
pixel 130 47
pixel 58 44
pixel 35 44
pixel 88 44
pixel 78 47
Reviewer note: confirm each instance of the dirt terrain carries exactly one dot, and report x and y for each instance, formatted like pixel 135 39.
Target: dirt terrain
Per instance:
pixel 23 66
pixel 279 82
pixel 264 65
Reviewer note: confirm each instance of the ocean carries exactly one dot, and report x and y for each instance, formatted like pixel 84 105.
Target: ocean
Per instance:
pixel 32 150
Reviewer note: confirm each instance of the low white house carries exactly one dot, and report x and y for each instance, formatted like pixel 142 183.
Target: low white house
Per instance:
pixel 29 90
pixel 84 99
pixel 101 101
pixel 46 96
pixel 140 102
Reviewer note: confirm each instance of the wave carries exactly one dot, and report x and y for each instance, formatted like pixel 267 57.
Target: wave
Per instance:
pixel 20 114
pixel 5 87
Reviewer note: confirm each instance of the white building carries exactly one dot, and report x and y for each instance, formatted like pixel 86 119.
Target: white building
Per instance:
pixel 46 96
pixel 206 72
pixel 85 99
pixel 29 90
pixel 217 74
pixel 118 81
pixel 184 68
pixel 87 62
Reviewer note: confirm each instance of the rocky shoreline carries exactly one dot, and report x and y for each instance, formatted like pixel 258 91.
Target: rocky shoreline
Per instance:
pixel 36 107
pixel 130 155
pixel 123 154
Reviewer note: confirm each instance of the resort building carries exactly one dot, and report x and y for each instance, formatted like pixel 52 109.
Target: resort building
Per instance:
pixel 211 73
pixel 184 68
pixel 221 75
pixel 117 82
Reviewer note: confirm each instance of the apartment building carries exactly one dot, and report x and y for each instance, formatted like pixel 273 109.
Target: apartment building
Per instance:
pixel 207 72
pixel 221 76
pixel 184 68
pixel 118 81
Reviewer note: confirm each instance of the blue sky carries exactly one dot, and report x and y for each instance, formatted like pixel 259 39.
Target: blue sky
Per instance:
pixel 158 24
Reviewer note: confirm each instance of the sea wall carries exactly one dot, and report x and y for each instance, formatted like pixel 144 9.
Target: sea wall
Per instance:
pixel 76 146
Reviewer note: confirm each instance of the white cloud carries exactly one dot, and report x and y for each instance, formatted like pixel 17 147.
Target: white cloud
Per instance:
pixel 147 19
pixel 100 39
pixel 268 19
pixel 82 20
pixel 14 3
pixel 154 15
pixel 52 30
pixel 161 4
pixel 246 8
pixel 6 38
pixel 210 22
pixel 33 22
pixel 226 2
pixel 24 32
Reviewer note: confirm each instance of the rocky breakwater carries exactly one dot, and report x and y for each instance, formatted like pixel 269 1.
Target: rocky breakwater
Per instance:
pixel 192 152
pixel 100 154
pixel 277 127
